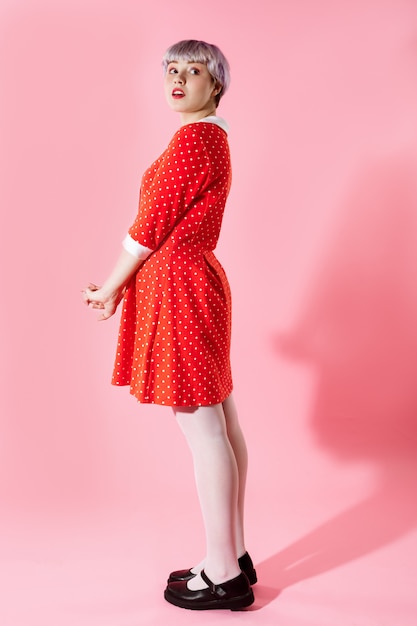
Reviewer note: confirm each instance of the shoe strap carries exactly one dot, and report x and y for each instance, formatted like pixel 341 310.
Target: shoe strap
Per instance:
pixel 217 590
pixel 208 582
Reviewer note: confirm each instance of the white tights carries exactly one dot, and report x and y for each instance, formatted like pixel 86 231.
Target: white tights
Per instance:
pixel 220 459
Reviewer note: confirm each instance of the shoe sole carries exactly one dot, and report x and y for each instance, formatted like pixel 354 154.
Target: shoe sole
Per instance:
pixel 233 604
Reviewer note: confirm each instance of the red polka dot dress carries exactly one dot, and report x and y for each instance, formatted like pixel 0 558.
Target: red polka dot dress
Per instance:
pixel 174 338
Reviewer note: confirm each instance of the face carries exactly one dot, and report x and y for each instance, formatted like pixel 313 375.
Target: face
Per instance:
pixel 190 90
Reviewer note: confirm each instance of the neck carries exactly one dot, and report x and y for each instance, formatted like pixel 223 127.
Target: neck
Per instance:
pixel 189 118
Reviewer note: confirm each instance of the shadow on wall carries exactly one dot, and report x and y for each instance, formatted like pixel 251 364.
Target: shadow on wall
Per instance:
pixel 359 331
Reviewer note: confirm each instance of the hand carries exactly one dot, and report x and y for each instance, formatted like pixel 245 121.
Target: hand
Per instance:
pixel 96 298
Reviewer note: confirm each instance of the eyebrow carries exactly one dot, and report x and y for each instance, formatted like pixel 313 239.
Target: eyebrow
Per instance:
pixel 188 62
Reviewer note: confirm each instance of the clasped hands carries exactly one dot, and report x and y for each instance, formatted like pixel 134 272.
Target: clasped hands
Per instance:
pixel 97 298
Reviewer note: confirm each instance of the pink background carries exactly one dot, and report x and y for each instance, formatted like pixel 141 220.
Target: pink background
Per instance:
pixel 319 242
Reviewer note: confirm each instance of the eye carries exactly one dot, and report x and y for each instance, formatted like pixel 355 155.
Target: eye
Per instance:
pixel 172 70
pixel 195 71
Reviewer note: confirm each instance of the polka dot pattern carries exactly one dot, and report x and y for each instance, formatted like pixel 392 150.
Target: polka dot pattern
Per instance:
pixel 174 338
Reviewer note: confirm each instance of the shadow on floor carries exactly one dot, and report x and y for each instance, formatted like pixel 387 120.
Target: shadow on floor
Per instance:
pixel 358 333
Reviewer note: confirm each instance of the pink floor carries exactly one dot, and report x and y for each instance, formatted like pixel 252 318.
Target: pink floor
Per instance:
pixel 352 564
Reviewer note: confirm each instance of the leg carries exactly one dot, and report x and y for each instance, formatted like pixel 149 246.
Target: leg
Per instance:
pixel 237 441
pixel 216 475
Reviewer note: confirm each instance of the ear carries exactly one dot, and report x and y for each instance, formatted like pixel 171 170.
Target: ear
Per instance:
pixel 217 89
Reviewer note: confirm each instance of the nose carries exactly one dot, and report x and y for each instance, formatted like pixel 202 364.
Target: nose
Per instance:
pixel 178 78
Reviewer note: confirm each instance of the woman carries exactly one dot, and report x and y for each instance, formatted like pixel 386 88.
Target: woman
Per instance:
pixel 174 339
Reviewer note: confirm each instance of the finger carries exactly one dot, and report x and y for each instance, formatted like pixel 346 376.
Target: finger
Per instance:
pixel 90 293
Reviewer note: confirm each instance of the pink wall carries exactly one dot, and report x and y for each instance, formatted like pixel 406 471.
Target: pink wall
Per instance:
pixel 319 243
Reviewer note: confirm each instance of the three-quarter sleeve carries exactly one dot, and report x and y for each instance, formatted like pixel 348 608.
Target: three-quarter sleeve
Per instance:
pixel 170 187
pixel 135 248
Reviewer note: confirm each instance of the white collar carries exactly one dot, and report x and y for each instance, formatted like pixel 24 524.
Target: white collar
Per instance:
pixel 214 119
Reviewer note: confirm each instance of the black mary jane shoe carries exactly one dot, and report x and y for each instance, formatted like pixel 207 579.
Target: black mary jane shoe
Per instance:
pixel 233 594
pixel 245 564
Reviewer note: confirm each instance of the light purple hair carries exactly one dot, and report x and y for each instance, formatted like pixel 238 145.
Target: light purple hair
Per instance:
pixel 194 51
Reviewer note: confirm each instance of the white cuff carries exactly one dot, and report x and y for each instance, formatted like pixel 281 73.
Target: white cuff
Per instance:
pixel 135 248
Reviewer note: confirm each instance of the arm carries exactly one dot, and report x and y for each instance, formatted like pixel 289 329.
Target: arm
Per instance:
pixel 171 186
pixel 108 296
pixel 165 197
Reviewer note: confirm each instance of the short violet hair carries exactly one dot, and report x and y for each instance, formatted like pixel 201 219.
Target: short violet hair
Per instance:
pixel 194 51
